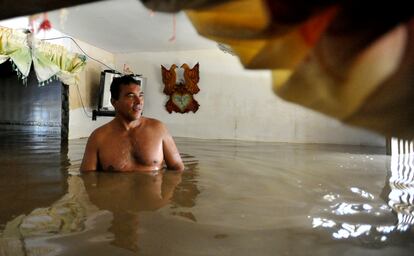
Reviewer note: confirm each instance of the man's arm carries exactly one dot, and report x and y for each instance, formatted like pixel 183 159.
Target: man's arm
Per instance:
pixel 90 157
pixel 171 155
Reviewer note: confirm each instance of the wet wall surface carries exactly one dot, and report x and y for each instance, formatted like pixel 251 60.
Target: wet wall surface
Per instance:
pixel 28 105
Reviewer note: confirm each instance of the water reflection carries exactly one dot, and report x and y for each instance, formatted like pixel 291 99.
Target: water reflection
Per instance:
pixel 186 193
pixel 235 198
pixel 399 194
pixel 114 200
pixel 31 172
pixel 125 195
pixel 25 234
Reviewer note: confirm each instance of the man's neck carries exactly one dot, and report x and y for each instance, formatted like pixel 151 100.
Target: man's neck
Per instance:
pixel 126 124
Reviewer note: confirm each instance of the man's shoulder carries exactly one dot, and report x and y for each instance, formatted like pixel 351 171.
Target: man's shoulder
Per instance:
pixel 152 121
pixel 104 129
pixel 154 124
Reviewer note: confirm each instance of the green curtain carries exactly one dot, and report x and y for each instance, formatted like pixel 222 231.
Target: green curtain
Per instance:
pixel 50 61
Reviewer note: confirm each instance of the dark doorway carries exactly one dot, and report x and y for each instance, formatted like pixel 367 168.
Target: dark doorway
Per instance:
pixel 33 148
pixel 30 107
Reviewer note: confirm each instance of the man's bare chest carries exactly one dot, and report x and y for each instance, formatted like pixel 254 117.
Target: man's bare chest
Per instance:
pixel 131 152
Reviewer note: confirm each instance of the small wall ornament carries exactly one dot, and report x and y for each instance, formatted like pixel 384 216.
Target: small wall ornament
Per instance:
pixel 180 94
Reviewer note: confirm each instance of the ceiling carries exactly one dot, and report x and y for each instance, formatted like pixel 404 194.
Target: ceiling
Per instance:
pixel 122 26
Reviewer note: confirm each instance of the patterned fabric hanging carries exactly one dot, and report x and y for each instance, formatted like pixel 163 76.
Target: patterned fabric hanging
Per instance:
pixel 50 61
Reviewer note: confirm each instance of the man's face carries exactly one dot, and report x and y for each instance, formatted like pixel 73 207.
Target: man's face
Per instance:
pixel 130 102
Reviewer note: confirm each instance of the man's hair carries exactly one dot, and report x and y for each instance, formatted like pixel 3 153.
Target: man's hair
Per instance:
pixel 122 80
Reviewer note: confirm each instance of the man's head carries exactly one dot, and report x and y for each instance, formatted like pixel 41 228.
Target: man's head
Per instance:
pixel 127 98
pixel 117 82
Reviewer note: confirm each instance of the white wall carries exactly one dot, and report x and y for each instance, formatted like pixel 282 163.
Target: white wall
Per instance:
pixel 84 97
pixel 236 103
pixel 81 124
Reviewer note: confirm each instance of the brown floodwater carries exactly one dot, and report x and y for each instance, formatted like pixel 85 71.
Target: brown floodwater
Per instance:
pixel 235 198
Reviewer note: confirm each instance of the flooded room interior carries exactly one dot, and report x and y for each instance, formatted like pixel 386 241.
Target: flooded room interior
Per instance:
pixel 293 121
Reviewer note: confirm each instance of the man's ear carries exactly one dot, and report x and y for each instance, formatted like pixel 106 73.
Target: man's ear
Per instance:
pixel 113 102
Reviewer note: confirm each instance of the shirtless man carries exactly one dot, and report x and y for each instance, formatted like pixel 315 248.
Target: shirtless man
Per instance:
pixel 130 142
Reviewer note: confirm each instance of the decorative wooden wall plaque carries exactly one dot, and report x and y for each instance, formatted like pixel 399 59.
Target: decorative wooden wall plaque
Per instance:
pixel 181 94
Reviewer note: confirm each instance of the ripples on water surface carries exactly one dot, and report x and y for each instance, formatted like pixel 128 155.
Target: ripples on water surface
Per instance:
pixel 235 198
